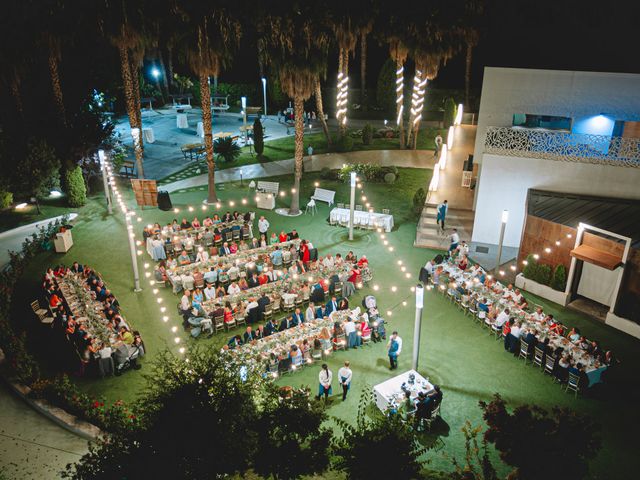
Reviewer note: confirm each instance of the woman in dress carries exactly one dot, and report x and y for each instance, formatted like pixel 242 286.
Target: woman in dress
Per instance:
pixel 207 222
pixel 228 313
pixel 305 255
pixel 273 239
pixel 263 241
pixel 195 223
pixel 325 378
pixel 216 218
pixel 283 237
pixel 243 284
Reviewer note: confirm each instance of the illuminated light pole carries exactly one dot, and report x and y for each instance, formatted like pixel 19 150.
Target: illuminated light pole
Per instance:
pixel 417 325
pixel 132 248
pixel 244 117
pixel 399 92
pixel 103 167
pixel 264 94
pixel 352 204
pixel 341 100
pixel 503 224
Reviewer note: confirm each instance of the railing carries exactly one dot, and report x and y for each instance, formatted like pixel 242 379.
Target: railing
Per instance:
pixel 568 147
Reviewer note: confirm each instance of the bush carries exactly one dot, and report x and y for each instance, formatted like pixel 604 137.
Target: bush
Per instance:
pixel 389 178
pixel 386 88
pixel 530 269
pixel 327 174
pixel 449 112
pixel 559 280
pixel 364 171
pixel 419 199
pixel 76 189
pixel 367 134
pixel 6 199
pixel 543 274
pixel 344 144
pixel 226 148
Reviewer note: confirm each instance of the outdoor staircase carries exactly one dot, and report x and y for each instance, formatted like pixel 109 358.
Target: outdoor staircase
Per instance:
pixel 427 235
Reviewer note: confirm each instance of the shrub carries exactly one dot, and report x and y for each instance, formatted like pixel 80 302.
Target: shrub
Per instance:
pixel 559 280
pixel 419 199
pixel 258 137
pixel 449 112
pixel 386 87
pixel 389 178
pixel 364 171
pixel 530 269
pixel 543 274
pixel 367 134
pixel 344 144
pixel 327 174
pixel 76 189
pixel 226 148
pixel 6 198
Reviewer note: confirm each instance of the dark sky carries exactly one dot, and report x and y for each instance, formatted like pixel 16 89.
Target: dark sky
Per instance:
pixel 548 34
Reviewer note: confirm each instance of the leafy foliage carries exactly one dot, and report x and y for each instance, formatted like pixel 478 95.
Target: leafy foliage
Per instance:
pixel 226 148
pixel 538 272
pixel 76 189
pixel 388 435
pixel 6 198
pixel 389 178
pixel 367 134
pixel 419 199
pixel 344 144
pixel 477 464
pixel 449 115
pixel 386 88
pixel 292 441
pixel 39 172
pixel 523 437
pixel 258 137
pixel 559 279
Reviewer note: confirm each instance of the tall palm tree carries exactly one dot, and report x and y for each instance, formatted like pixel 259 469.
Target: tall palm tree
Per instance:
pixel 296 41
pixel 211 34
pixel 319 107
pixel 122 22
pixel 364 33
pixel 473 16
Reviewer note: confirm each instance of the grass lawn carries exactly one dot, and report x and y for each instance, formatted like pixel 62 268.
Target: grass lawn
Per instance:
pixel 455 353
pixel 51 207
pixel 283 148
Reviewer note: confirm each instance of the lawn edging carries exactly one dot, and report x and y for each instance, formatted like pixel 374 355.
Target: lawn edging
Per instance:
pixel 543 291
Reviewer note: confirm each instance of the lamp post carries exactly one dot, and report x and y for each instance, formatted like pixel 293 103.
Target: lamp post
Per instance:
pixel 264 94
pixel 352 204
pixel 417 325
pixel 103 166
pixel 132 248
pixel 244 117
pixel 503 224
pixel 241 177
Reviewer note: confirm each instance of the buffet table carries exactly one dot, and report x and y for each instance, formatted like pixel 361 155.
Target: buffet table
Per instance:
pixel 390 391
pixel 266 201
pixel 381 220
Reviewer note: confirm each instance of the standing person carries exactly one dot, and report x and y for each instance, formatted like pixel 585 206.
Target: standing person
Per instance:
pixel 438 143
pixel 325 378
pixel 455 240
pixel 310 151
pixel 394 348
pixel 345 374
pixel 441 214
pixel 263 226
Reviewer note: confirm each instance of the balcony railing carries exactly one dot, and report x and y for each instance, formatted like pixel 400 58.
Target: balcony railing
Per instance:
pixel 568 147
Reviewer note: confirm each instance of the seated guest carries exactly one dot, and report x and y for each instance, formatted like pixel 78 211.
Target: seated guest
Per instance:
pixel 317 294
pixel 252 310
pixel 515 333
pixel 242 283
pixel 508 292
pixel 76 268
pixel 243 247
pixel 297 318
pixel 328 261
pixel 207 222
pixel 463 263
pixel 211 276
pixel 220 291
pixel 286 323
pixel 310 313
pixel 283 237
pixel 574 335
pixel 233 289
pixel 531 339
pixel 273 239
pixel 263 278
pixel 263 301
pixel 224 250
pixel 253 280
pixel 351 258
pixel 353 341
pixel 538 315
pixel 294 234
pixel 233 248
pixel 501 319
pixel 209 292
pixel 255 243
pixel 202 255
pixel 195 223
pixel 234 342
pixel 126 336
pixel 343 304
pixel 228 313
pixel 506 331
pixel 271 327
pixel 276 257
pixel 184 225
pixel 249 335
pixel 183 258
pixel 321 311
pixel 332 305
pixel 295 354
pixel 259 332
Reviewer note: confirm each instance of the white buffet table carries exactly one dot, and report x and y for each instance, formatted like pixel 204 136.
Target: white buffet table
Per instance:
pixel 181 120
pixel 148 135
pixel 63 241
pixel 381 220
pixel 265 201
pixel 391 390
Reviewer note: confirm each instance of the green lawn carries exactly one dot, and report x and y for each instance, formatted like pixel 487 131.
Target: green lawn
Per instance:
pixel 455 353
pixel 283 148
pixel 52 207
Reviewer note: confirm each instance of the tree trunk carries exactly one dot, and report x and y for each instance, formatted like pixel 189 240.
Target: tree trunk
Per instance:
pixel 170 67
pixel 298 104
pixel 135 76
pixel 467 74
pixel 319 107
pixel 17 98
pixel 343 65
pixel 54 72
pixel 363 69
pixel 131 104
pixel 400 100
pixel 163 72
pixel 205 95
pixel 417 102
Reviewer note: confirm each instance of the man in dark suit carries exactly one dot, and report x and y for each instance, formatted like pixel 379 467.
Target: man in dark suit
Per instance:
pixel 332 305
pixel 249 335
pixel 321 312
pixel 293 235
pixel 263 301
pixel 286 323
pixel 271 327
pixel 223 251
pixel 317 294
pixel 253 280
pixel 531 340
pixel 297 318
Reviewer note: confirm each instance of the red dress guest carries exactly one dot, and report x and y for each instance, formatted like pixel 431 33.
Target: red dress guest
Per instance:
pixel 304 252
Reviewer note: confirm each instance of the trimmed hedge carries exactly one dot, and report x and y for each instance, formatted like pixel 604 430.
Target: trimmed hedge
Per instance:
pixel 76 189
pixel 6 199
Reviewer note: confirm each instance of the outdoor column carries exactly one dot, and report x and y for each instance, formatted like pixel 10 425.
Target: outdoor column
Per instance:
pixel 505 217
pixel 417 325
pixel 264 94
pixel 132 248
pixel 105 181
pixel 352 204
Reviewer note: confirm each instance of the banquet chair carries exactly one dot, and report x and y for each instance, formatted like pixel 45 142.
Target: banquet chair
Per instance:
pixel 386 211
pixel 235 234
pixel 272 368
pixel 538 356
pixel 435 413
pixel 168 249
pixel 524 351
pixel 218 241
pixel 213 251
pixel 218 323
pixel 234 275
pixel 231 324
pixel 497 332
pixel 298 302
pixel 333 221
pixel 339 205
pixel 246 232
pixel 366 340
pixel 550 366
pixel 40 312
pixel 316 355
pixel 340 342
pixel 359 208
pixel 275 307
pixel 228 236
pixel 372 225
pixel 573 384
pixel 267 315
pixel 199 283
pixel 241 319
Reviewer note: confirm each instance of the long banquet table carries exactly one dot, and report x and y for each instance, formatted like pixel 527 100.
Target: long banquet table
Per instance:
pixel 381 220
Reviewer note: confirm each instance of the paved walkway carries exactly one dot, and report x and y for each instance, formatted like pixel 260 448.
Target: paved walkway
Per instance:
pixel 399 158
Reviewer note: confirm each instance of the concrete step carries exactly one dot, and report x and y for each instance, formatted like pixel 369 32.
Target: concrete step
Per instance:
pixel 453 214
pixel 450 223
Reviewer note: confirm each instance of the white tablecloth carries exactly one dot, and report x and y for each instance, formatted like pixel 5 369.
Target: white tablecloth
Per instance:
pixel 181 120
pixel 148 135
pixel 266 201
pixel 391 389
pixel 380 219
pixel 200 130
